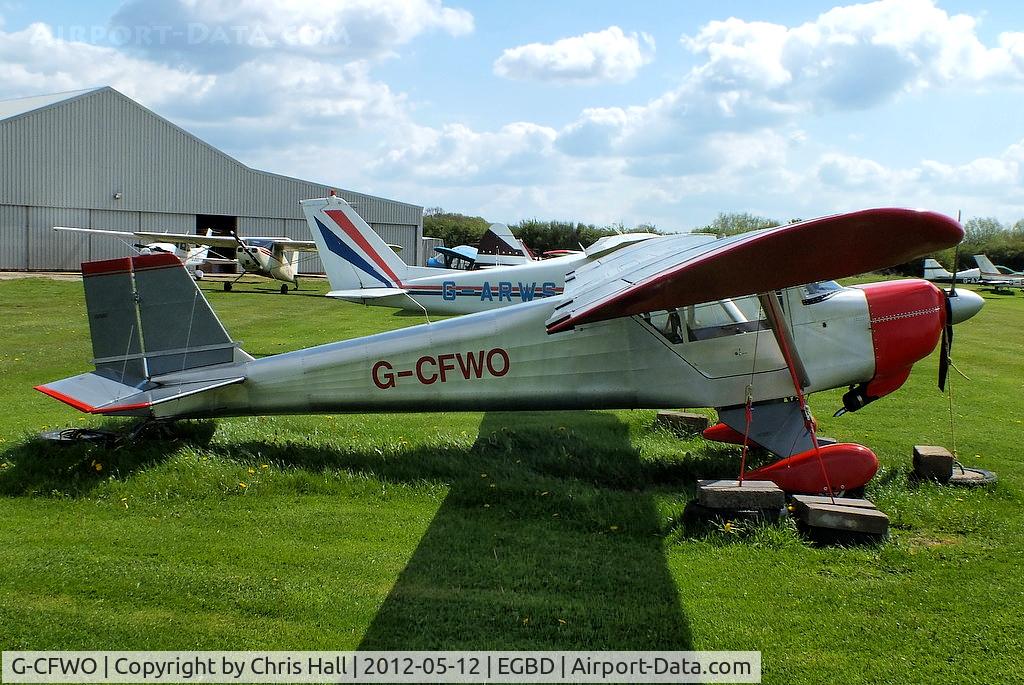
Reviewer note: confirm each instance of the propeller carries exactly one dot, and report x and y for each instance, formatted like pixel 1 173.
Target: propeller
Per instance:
pixel 946 347
pixel 149 249
pixel 251 252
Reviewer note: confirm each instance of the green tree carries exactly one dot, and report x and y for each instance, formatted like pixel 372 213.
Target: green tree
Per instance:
pixel 453 228
pixel 733 223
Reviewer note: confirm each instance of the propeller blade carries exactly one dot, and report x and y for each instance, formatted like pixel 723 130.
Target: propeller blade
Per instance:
pixel 946 347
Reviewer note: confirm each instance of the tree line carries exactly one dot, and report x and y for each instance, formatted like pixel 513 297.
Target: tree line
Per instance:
pixel 1003 243
pixel 540 236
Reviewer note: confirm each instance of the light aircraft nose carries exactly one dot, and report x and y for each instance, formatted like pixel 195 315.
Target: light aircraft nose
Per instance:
pixel 965 304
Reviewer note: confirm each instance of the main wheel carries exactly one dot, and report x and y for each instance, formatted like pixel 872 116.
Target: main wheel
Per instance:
pixel 227 286
pixel 284 288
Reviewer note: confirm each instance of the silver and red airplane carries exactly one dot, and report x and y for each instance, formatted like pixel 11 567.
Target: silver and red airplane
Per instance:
pixel 361 268
pixel 748 324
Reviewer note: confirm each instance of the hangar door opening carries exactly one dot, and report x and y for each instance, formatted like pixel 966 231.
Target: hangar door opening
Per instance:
pixel 221 225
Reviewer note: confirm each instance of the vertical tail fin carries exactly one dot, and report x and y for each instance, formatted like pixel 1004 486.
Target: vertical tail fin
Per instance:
pixel 987 268
pixel 353 255
pixel 499 247
pixel 933 271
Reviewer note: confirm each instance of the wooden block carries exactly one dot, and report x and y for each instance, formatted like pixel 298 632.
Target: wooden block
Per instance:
pixel 841 501
pixel 932 462
pixel 729 494
pixel 682 422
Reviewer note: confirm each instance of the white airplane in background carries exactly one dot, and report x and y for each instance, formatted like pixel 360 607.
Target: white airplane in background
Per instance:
pixel 273 258
pixel 194 258
pixel 362 269
pixel 998 276
pixel 933 271
pixel 682 321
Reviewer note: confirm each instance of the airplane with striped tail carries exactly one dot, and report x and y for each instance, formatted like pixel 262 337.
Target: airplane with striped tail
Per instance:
pixel 362 269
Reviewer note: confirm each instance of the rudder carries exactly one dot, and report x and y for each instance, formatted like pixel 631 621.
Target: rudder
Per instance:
pixel 352 253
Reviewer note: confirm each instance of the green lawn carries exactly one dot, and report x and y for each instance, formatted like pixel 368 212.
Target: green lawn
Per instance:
pixel 516 531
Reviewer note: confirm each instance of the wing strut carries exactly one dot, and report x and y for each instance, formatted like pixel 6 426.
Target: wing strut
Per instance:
pixel 797 371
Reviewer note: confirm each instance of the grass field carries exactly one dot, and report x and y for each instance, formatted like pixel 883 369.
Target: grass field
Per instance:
pixel 516 531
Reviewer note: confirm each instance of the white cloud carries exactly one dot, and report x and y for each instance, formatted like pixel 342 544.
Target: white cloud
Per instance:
pixel 34 61
pixel 516 153
pixel 846 172
pixel 286 95
pixel 849 57
pixel 599 57
pixel 221 34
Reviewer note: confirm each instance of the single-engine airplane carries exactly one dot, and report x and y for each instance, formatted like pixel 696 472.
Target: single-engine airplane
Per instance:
pixel 998 276
pixel 361 268
pixel 193 257
pixel 273 258
pixel 935 272
pixel 686 320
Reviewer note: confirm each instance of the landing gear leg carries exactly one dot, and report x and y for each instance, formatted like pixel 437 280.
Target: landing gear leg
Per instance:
pixel 229 284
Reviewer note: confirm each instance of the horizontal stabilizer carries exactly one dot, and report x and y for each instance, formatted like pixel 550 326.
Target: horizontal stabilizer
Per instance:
pixel 97 393
pixel 365 294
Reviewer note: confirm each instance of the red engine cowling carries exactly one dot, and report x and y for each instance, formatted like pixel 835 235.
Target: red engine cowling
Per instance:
pixel 906 322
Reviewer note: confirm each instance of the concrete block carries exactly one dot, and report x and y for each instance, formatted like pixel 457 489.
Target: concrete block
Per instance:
pixel 682 422
pixel 932 462
pixel 842 501
pixel 971 477
pixel 729 494
pixel 859 516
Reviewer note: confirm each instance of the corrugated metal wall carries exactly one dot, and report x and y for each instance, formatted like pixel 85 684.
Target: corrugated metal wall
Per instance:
pixel 427 249
pixel 166 223
pixel 57 250
pixel 79 154
pixel 13 236
pixel 110 247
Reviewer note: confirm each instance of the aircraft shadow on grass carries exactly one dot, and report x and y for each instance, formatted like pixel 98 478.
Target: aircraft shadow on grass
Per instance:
pixel 40 467
pixel 564 551
pixel 549 536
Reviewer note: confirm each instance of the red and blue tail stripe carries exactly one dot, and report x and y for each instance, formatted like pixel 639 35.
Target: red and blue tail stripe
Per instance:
pixel 338 247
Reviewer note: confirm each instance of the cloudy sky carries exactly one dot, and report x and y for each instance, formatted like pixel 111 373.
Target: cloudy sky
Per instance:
pixel 661 112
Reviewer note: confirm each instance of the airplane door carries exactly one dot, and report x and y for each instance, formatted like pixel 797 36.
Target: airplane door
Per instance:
pixel 720 339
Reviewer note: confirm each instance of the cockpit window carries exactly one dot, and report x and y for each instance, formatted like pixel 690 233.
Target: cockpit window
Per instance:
pixel 710 320
pixel 816 292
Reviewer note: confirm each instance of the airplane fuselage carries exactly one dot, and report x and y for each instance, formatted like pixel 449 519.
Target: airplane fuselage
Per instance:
pixel 468 292
pixel 506 361
pixel 266 262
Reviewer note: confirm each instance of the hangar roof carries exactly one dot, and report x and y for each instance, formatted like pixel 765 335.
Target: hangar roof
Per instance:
pixel 17 106
pixel 99 149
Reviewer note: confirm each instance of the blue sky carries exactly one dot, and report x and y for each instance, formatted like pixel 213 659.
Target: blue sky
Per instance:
pixel 601 112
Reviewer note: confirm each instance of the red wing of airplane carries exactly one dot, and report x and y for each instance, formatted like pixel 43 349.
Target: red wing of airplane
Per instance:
pixel 662 274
